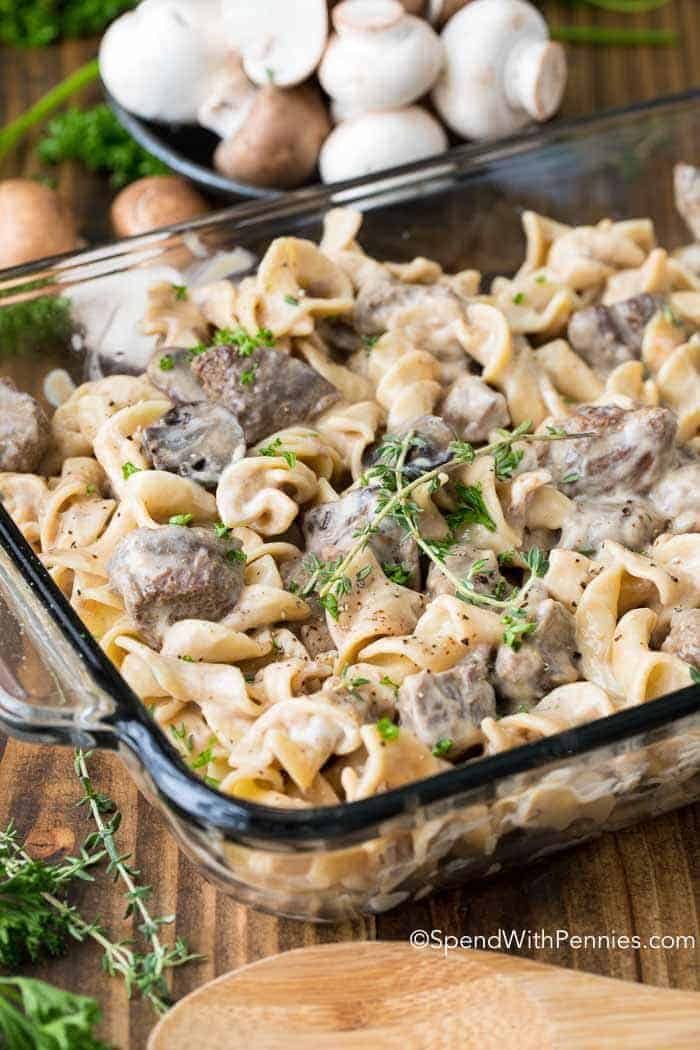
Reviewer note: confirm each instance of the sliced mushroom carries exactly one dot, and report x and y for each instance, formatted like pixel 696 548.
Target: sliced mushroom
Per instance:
pixel 170 369
pixel 196 441
pixel 330 530
pixel 632 522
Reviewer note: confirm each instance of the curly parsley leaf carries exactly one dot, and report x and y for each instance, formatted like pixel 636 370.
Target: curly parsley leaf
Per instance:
pixel 96 139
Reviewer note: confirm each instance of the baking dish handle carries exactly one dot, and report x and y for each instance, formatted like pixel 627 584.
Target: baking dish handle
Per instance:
pixel 56 685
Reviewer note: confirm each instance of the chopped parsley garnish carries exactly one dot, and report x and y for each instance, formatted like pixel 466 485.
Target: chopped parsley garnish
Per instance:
pixel 442 746
pixel 188 659
pixel 519 298
pixel 570 479
pixel 400 574
pixel 668 315
pixel 180 292
pixel 470 509
pixel 90 490
pixel 166 363
pixel 275 449
pixel 182 736
pixel 523 709
pixel 180 519
pixel 128 469
pixel 236 555
pixel 221 530
pixel 248 377
pixel 541 278
pixel 694 675
pixel 387 729
pixel 204 757
pixel 370 341
pixel 389 682
pixel 291 300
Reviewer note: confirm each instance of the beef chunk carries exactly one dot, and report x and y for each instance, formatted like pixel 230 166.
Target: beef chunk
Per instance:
pixel 449 705
pixel 629 451
pixel 195 441
pixel 473 409
pixel 329 530
pixel 683 640
pixel 175 573
pixel 486 579
pixel 171 371
pixel 313 631
pixel 266 392
pixel 632 522
pixel 686 183
pixel 544 660
pixel 607 336
pixel 24 430
pixel 380 301
pixel 677 498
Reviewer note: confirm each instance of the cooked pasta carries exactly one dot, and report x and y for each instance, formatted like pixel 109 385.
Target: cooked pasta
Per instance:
pixel 360 521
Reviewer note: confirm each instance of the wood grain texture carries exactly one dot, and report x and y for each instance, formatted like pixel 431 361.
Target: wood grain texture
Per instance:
pixel 393 996
pixel 643 882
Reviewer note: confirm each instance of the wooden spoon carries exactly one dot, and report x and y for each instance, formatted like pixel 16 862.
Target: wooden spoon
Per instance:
pixel 390 996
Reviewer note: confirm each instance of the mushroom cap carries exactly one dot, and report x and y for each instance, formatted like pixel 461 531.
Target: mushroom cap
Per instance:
pixel 279 142
pixel 440 11
pixel 158 200
pixel 380 57
pixel 375 141
pixel 281 42
pixel 501 69
pixel 158 60
pixel 231 95
pixel 34 222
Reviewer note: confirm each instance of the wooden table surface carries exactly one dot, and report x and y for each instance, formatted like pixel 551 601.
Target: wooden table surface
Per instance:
pixel 644 881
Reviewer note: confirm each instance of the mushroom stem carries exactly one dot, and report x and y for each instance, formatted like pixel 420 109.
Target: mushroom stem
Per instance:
pixel 16 129
pixel 534 77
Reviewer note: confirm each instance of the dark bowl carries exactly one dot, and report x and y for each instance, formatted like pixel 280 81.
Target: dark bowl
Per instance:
pixel 187 149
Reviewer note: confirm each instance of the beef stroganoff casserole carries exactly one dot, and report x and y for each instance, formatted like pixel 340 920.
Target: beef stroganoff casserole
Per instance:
pixel 359 521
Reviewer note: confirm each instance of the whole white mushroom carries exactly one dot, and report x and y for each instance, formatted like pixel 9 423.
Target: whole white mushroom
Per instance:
pixel 380 57
pixel 159 61
pixel 373 141
pixel 280 41
pixel 501 69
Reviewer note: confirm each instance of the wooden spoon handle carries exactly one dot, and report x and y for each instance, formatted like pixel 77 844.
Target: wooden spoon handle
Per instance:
pixel 390 996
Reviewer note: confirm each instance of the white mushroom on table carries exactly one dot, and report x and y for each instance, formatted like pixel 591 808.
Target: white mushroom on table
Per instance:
pixel 345 88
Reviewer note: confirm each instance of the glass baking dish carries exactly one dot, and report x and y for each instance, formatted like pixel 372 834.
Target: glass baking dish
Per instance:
pixel 57 686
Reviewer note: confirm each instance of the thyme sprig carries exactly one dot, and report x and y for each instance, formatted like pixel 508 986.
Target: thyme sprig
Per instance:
pixel 36 917
pixel 394 501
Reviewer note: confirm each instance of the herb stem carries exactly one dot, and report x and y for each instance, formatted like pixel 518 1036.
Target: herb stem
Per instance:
pixel 615 36
pixel 403 490
pixel 16 129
